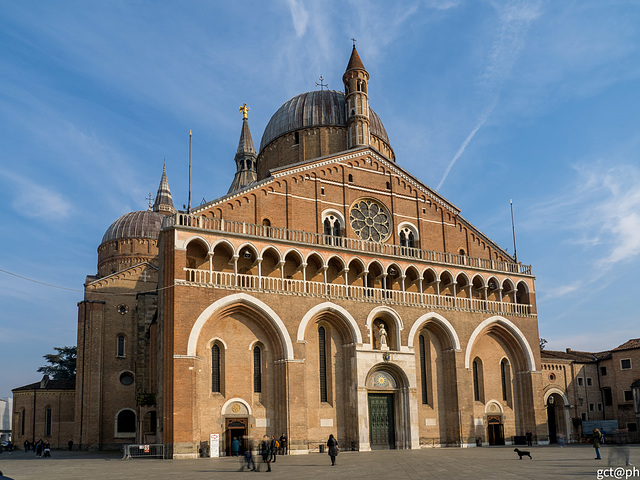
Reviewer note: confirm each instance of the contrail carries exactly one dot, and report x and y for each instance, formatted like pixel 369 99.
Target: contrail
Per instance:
pixel 460 151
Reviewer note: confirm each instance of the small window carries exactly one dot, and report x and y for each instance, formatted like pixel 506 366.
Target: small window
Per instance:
pixel 321 190
pixel 603 371
pixel 628 396
pixel 126 378
pixel 350 178
pixel 583 416
pixel 120 347
pixel 589 382
pixel 625 364
pixel 388 185
pixel 608 397
pixel 592 407
pixel 599 407
pixel 580 382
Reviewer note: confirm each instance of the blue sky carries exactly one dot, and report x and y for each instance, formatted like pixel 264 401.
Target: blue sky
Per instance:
pixel 484 101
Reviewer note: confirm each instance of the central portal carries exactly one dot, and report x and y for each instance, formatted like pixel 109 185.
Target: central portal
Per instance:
pixel 381 424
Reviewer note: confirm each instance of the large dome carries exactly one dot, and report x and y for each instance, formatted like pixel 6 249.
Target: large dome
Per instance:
pixel 143 224
pixel 314 109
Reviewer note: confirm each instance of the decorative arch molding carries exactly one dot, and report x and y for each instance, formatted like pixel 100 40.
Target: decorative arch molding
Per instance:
pixel 333 308
pixel 557 391
pixel 182 244
pixel 512 329
pixel 390 312
pixel 223 241
pixel 245 299
pixel 219 340
pixel 497 407
pixel 234 400
pixel 440 320
pixel 338 216
pixel 410 226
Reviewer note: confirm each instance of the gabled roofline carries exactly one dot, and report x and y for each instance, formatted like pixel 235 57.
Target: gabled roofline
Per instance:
pixel 120 271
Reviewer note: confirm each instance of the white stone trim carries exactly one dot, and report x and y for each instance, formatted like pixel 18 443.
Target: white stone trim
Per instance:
pixel 239 400
pixel 515 331
pixel 440 320
pixel 333 308
pixel 247 300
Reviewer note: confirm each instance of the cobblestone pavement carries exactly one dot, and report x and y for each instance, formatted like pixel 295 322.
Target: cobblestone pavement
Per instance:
pixel 572 462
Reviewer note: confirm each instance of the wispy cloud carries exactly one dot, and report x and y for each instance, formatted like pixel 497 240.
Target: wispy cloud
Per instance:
pixel 300 17
pixel 34 200
pixel 515 19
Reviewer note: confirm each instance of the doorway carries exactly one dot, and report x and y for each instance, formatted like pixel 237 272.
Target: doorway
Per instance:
pixel 381 421
pixel 496 430
pixel 235 428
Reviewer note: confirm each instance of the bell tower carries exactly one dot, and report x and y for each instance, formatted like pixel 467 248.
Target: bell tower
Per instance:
pixel 356 80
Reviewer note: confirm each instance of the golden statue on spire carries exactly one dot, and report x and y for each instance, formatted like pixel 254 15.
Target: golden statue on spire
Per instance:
pixel 244 109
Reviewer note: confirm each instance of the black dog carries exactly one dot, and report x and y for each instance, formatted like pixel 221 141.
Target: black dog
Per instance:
pixel 522 454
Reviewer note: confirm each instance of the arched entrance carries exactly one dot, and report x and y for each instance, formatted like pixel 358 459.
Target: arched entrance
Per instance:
pixel 236 422
pixel 386 401
pixel 556 418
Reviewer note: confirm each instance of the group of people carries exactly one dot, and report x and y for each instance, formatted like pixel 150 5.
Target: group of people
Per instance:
pixel 269 449
pixel 41 448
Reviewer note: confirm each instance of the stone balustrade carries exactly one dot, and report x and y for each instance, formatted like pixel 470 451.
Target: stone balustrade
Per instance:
pixel 287 286
pixel 298 237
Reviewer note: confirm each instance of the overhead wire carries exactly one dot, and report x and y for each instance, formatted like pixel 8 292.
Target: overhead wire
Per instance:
pixel 82 291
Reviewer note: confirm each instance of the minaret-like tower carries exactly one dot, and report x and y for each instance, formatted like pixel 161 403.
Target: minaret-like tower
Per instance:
pixel 356 80
pixel 245 158
pixel 164 203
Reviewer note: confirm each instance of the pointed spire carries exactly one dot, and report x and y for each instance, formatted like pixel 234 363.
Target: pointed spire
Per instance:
pixel 164 202
pixel 245 158
pixel 354 61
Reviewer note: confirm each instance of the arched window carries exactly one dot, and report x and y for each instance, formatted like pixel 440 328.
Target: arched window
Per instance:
pixel 126 424
pixel 215 369
pixel 241 164
pixel 47 422
pixel 478 390
pixel 506 379
pixel 332 228
pixel 423 370
pixel 120 346
pixel 350 178
pixel 322 348
pixel 257 370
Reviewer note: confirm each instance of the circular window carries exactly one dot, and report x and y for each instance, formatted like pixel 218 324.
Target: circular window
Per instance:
pixel 552 377
pixel 370 220
pixel 126 378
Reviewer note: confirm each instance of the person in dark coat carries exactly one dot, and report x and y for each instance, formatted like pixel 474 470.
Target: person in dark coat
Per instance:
pixel 283 444
pixel 332 443
pixel 265 451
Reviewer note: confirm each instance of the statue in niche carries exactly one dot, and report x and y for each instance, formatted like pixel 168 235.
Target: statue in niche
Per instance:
pixel 382 335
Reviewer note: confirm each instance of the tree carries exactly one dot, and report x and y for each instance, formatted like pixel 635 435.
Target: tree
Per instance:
pixel 63 363
pixel 543 343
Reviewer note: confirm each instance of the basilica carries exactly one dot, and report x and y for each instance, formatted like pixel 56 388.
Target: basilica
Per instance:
pixel 329 291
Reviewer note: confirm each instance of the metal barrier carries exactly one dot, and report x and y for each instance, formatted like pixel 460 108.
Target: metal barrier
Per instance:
pixel 143 451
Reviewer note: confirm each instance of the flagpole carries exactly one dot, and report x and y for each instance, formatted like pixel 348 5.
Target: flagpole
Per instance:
pixel 189 204
pixel 513 228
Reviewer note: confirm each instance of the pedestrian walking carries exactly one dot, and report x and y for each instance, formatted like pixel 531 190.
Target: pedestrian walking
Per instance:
pixel 265 451
pixel 332 443
pixel 235 447
pixel 26 445
pixel 274 448
pixel 247 446
pixel 283 444
pixel 597 437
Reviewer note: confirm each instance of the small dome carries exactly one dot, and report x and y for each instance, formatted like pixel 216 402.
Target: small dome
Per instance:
pixel 143 224
pixel 314 109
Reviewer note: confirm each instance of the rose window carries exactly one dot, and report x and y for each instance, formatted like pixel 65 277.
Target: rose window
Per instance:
pixel 370 220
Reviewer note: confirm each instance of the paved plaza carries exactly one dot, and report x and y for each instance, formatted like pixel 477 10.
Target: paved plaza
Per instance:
pixel 572 462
